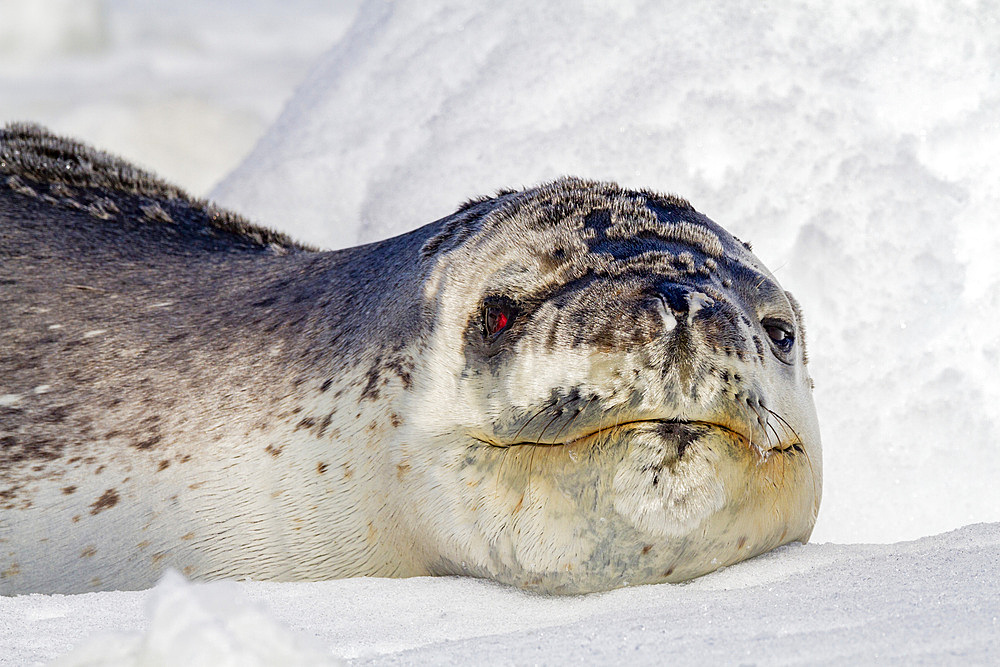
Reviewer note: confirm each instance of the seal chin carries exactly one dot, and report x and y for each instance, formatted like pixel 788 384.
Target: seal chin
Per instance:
pixel 669 476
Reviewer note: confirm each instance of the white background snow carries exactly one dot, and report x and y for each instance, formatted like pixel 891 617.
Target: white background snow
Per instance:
pixel 855 144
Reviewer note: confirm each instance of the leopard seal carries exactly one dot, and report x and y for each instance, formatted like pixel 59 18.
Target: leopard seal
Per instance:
pixel 569 388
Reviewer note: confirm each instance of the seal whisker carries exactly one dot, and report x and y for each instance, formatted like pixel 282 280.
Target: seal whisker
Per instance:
pixel 777 438
pixel 566 425
pixel 542 433
pixel 785 423
pixel 548 405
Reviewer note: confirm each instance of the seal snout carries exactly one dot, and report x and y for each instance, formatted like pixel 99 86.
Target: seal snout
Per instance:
pixel 682 301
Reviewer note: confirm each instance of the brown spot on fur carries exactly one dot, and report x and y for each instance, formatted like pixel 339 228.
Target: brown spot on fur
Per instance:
pixel 307 422
pixel 273 450
pixel 159 556
pixel 348 472
pixel 13 570
pixel 395 420
pixel 142 545
pixel 185 458
pixel 324 424
pixel 188 571
pixel 370 391
pixel 67 490
pixel 401 470
pixel 321 467
pixel 148 443
pixel 99 470
pixel 163 465
pixel 89 552
pixel 645 549
pixel 187 536
pixel 107 500
pixel 95 582
pixel 741 543
pixel 669 572
pixel 326 384
pixel 76 519
pixel 373 426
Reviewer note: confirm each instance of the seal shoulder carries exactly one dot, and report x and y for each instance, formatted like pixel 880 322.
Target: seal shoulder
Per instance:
pixel 60 173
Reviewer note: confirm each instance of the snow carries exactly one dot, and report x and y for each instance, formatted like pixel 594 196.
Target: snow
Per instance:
pixel 931 601
pixel 854 144
pixel 184 87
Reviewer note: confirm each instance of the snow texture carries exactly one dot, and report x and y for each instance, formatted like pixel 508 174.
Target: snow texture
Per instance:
pixel 931 601
pixel 183 87
pixel 855 144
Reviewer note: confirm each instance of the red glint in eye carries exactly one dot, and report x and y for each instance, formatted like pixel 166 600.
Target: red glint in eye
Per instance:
pixel 501 322
pixel 496 319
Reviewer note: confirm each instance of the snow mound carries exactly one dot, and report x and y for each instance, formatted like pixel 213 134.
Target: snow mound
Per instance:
pixel 200 625
pixel 854 147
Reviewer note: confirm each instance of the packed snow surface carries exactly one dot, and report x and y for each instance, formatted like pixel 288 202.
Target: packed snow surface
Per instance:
pixel 854 144
pixel 925 602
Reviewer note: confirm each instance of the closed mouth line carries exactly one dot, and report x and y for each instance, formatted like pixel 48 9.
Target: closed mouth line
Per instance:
pixel 793 447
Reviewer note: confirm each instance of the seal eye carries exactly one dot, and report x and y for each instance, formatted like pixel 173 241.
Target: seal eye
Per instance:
pixel 781 334
pixel 496 317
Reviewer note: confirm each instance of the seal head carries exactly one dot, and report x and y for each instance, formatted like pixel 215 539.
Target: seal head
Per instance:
pixel 626 388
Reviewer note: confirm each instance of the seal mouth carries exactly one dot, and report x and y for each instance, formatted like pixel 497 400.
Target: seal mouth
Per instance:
pixel 791 448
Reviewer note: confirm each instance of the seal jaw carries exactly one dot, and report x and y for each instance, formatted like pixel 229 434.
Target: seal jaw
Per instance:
pixel 647 502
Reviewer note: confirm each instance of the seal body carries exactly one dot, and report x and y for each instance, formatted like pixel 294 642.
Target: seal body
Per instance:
pixel 570 388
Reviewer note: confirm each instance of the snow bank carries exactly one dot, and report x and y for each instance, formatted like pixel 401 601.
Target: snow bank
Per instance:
pixel 930 601
pixel 184 87
pixel 855 147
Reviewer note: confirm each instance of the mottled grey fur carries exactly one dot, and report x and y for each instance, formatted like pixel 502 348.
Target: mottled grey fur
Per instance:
pixel 81 252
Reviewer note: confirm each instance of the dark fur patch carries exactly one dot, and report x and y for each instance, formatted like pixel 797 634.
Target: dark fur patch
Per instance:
pixel 107 500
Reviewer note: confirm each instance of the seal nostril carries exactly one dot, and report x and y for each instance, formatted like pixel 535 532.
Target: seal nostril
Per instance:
pixel 675 297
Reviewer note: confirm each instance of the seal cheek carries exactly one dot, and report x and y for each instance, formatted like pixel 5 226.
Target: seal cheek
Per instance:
pixel 663 493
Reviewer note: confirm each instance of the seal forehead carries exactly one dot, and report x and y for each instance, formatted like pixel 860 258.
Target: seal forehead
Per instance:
pixel 604 214
pixel 531 243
